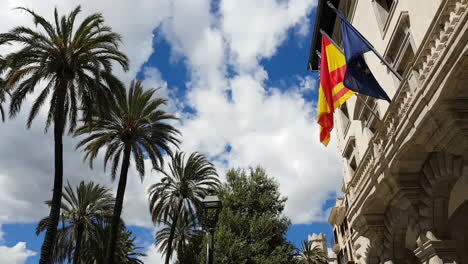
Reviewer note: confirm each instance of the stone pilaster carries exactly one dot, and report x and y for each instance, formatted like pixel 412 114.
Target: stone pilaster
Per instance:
pixel 434 251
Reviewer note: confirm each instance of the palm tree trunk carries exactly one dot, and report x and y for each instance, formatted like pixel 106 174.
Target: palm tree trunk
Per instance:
pixel 79 236
pixel 115 222
pixel 51 233
pixel 171 235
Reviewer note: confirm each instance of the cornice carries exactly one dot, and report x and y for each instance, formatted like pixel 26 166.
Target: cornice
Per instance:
pixel 410 96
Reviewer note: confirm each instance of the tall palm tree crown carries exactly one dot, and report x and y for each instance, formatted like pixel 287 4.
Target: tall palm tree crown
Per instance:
pixel 137 122
pixel 75 64
pixel 136 125
pixel 186 231
pixel 84 209
pixel 311 255
pixel 126 250
pixel 179 193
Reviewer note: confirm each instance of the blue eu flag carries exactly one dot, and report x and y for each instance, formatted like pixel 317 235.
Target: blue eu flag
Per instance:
pixel 358 76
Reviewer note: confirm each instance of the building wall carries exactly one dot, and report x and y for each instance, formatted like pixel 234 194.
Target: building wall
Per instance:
pixel 320 240
pixel 407 188
pixel 342 233
pixel 365 19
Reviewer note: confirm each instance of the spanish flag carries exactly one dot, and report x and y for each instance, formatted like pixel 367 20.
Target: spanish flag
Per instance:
pixel 332 92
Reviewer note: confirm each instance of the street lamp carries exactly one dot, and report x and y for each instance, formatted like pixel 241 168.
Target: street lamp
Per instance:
pixel 211 209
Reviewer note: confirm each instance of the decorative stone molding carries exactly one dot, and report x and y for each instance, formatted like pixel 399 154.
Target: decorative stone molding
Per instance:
pixel 450 17
pixel 337 215
pixel 442 31
pixel 437 251
pixel 439 168
pixel 364 166
pixel 375 250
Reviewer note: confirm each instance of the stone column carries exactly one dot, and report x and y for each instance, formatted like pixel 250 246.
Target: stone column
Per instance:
pixel 435 251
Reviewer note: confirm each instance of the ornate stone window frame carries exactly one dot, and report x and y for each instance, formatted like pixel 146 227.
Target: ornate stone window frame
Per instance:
pixel 345 119
pixel 384 23
pixel 363 114
pixel 400 43
pixel 349 153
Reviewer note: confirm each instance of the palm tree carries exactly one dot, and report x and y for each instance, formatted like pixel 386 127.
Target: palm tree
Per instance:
pixel 181 191
pixel 186 231
pixel 2 88
pixel 84 210
pixel 126 251
pixel 74 63
pixel 136 125
pixel 311 255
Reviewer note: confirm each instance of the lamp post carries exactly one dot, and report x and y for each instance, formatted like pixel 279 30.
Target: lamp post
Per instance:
pixel 211 208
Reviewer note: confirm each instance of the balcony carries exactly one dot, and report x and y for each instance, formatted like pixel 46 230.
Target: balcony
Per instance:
pixel 337 215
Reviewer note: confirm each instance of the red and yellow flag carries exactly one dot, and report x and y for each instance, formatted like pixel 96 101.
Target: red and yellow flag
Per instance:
pixel 332 92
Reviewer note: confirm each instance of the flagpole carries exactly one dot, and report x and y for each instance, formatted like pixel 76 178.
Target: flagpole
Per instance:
pixel 384 61
pixel 331 40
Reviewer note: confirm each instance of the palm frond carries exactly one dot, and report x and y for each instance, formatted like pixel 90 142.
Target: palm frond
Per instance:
pixel 73 61
pixel 135 120
pixel 88 204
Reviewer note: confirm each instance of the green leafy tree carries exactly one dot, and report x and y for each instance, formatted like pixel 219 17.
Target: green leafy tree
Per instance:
pixel 75 63
pixel 83 211
pixel 136 125
pixel 311 255
pixel 251 228
pixel 187 235
pixel 180 192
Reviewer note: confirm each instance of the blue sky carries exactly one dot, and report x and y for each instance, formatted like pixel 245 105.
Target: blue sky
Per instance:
pixel 239 83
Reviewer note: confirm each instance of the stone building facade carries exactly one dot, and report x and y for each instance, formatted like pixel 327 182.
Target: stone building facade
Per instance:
pixel 320 241
pixel 406 163
pixel 342 233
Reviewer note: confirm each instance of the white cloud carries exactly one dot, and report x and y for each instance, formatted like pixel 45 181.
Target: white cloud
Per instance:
pixel 13 255
pixel 307 83
pixel 153 79
pixel 262 125
pixel 254 29
pixel 153 256
pixel 26 156
pixel 16 254
pixel 134 20
pixel 1 234
pixel 277 130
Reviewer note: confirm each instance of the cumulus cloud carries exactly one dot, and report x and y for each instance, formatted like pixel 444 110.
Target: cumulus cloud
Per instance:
pixel 238 121
pixel 256 124
pixel 153 256
pixel 1 234
pixel 16 254
pixel 273 129
pixel 26 156
pixel 307 83
pixel 254 29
